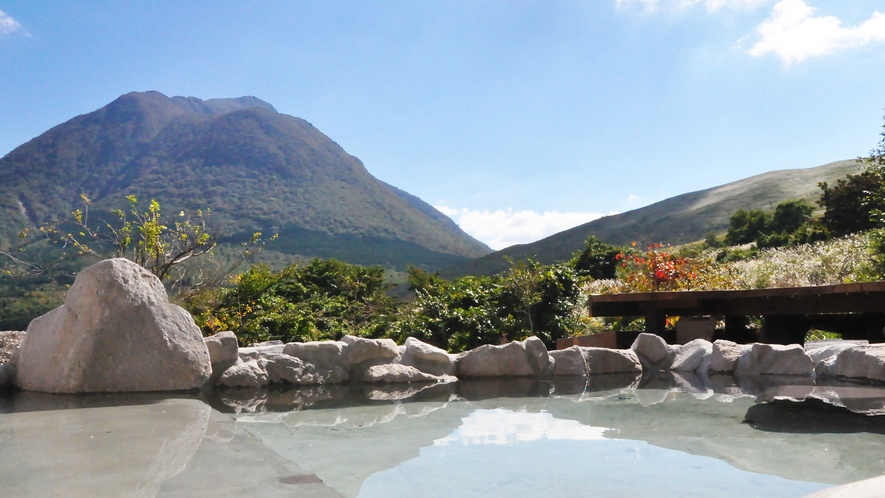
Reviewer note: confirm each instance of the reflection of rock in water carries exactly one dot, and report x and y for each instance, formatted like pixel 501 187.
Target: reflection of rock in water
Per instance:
pixel 811 416
pixel 402 392
pixel 243 466
pixel 107 451
pixel 518 387
pixel 757 384
pixel 712 428
pixel 866 400
pixel 573 384
pixel 281 398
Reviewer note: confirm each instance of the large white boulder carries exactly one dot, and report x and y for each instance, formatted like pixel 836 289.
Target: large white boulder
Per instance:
pixel 774 359
pixel 859 362
pixel 116 332
pixel 427 358
pixel 507 360
pixel 691 355
pixel 653 351
pixel 724 357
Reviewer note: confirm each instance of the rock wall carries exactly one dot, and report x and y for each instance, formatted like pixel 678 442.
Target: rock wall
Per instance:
pixel 117 332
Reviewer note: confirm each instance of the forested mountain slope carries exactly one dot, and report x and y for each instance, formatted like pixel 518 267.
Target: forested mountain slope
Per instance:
pixel 255 169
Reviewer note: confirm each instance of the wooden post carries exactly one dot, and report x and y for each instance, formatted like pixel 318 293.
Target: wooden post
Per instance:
pixel 736 329
pixel 874 326
pixel 655 322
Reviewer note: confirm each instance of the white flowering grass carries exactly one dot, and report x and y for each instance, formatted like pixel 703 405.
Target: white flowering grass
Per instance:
pixel 837 261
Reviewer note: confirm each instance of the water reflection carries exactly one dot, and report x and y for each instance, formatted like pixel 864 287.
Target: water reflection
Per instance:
pixel 537 454
pixel 82 450
pixel 348 440
pixel 506 427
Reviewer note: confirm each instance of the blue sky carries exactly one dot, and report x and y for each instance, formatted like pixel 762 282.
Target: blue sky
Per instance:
pixel 519 119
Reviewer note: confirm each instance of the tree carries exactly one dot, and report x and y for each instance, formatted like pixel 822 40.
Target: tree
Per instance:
pixel 789 216
pixel 160 245
pixel 596 260
pixel 325 299
pixel 875 164
pixel 851 203
pixel 745 226
pixel 523 282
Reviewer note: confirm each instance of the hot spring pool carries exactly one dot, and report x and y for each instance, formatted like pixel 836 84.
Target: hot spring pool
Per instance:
pixel 489 438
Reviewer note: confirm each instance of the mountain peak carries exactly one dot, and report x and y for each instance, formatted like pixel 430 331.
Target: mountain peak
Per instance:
pixel 215 107
pixel 254 168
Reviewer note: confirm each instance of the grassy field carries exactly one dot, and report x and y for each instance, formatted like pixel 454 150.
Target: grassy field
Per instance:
pixel 677 220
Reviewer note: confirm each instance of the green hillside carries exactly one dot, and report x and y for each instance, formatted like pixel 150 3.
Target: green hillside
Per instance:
pixel 254 168
pixel 677 220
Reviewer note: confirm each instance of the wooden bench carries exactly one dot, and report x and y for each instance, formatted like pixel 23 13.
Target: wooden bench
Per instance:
pixel 857 311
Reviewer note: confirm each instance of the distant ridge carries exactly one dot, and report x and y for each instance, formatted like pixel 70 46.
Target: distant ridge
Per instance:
pixel 684 218
pixel 254 168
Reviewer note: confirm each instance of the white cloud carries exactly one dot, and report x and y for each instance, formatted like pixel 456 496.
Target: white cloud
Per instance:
pixel 711 5
pixel 507 427
pixel 793 33
pixel 8 24
pixel 500 228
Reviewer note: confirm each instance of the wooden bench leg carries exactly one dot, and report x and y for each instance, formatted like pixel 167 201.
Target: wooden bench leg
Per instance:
pixel 655 322
pixel 874 326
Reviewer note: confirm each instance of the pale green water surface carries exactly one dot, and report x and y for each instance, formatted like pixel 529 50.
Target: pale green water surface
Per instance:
pixel 469 439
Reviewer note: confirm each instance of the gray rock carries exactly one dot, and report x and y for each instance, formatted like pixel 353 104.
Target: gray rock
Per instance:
pixel 116 332
pixel 569 361
pixel 249 373
pixel 774 359
pixel 223 352
pixel 822 353
pixel 611 361
pixel 724 357
pixel 360 350
pixel 427 358
pixel 318 352
pixel 860 362
pixel 691 355
pixel 284 368
pixel 540 358
pixel 423 351
pixel 255 352
pixel 653 351
pixel 393 372
pixel 578 360
pixel 506 360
